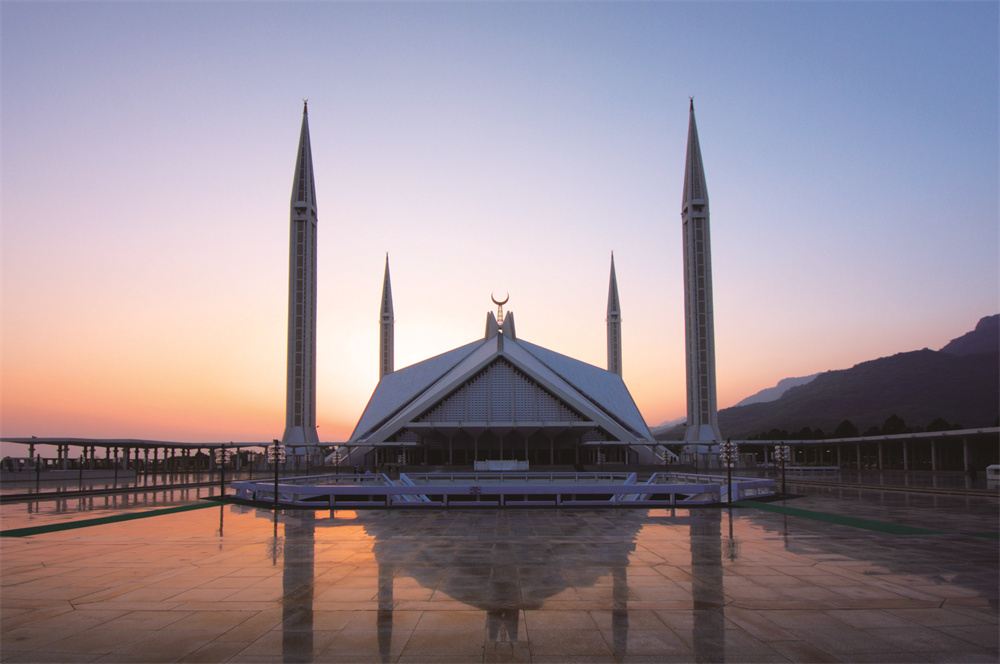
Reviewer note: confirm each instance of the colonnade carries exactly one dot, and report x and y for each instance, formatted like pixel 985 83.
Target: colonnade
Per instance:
pixel 907 454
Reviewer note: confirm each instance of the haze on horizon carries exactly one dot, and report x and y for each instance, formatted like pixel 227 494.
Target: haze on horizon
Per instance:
pixel 851 155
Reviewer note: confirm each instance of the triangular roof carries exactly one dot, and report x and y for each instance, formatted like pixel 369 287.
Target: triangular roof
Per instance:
pixel 598 397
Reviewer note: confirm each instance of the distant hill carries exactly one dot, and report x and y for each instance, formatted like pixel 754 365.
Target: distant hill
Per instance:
pixel 671 430
pixel 773 393
pixel 983 339
pixel 960 383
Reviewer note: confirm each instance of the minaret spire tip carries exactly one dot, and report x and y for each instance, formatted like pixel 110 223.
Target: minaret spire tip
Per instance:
pixel 305 107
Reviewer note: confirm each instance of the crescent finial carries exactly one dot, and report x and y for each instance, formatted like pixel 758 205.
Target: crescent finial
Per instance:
pixel 499 304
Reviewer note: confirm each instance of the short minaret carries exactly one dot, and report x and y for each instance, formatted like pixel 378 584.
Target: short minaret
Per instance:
pixel 614 324
pixel 300 407
pixel 702 409
pixel 386 340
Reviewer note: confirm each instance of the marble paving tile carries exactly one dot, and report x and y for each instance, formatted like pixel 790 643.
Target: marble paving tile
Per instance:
pixel 504 586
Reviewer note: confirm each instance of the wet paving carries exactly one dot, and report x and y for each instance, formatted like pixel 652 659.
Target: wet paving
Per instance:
pixel 229 583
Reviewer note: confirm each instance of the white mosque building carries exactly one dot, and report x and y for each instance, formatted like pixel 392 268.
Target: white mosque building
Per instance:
pixel 500 398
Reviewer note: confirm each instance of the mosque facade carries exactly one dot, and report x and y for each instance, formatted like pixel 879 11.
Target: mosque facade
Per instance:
pixel 501 397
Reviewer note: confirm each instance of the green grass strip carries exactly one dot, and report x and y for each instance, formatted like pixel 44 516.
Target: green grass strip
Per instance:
pixel 86 523
pixel 865 524
pixel 994 536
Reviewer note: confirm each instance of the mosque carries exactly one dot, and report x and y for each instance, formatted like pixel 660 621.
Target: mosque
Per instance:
pixel 500 401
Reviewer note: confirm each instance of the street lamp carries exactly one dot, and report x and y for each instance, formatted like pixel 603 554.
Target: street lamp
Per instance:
pixel 729 451
pixel 783 454
pixel 221 454
pixel 276 454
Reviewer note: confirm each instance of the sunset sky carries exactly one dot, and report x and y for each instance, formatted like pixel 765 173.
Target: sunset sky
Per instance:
pixel 851 155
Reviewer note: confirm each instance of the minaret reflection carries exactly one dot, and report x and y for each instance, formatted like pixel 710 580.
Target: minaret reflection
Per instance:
pixel 383 620
pixel 708 635
pixel 619 611
pixel 297 583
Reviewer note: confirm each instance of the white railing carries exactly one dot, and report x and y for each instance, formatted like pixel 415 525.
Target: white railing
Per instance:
pixel 500 489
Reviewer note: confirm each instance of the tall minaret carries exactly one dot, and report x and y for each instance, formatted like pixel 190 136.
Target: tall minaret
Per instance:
pixel 300 406
pixel 702 410
pixel 386 340
pixel 614 324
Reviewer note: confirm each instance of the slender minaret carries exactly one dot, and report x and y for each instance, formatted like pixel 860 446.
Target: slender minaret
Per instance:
pixel 702 410
pixel 300 406
pixel 386 340
pixel 614 324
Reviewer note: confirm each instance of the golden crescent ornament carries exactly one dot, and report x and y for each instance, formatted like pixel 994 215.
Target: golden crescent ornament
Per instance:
pixel 499 304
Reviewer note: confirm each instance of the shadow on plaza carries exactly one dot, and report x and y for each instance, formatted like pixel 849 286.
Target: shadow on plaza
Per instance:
pixel 501 573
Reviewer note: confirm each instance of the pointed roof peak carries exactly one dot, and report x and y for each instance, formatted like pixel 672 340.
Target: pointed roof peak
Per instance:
pixel 386 291
pixel 614 306
pixel 305 107
pixel 695 189
pixel 304 185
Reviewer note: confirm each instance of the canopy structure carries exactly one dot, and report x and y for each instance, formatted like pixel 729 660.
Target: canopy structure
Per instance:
pixel 501 398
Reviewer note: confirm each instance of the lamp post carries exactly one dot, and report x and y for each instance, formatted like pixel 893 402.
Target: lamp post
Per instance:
pixel 221 454
pixel 276 453
pixel 729 451
pixel 81 473
pixel 782 454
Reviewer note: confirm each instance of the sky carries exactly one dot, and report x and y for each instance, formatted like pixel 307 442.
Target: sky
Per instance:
pixel 850 150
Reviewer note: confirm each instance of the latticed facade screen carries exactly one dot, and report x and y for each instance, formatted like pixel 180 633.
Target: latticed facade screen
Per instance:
pixel 501 393
pixel 501 413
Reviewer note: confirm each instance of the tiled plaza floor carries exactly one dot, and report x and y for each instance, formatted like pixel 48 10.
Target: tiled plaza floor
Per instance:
pixel 231 583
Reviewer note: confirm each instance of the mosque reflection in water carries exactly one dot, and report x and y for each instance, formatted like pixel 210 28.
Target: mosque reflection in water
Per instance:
pixel 502 572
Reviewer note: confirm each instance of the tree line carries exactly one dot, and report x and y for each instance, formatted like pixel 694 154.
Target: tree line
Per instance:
pixel 892 425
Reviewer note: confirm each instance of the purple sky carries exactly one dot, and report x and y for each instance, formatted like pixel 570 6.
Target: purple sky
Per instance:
pixel 851 154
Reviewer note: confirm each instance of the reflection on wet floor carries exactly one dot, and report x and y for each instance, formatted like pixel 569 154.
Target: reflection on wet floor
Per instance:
pixel 233 583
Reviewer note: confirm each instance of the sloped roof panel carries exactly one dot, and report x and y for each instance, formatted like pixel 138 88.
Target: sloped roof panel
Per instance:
pixel 397 389
pixel 606 389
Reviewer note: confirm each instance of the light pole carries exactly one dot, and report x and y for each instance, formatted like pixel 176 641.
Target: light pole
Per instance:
pixel 81 473
pixel 221 454
pixel 782 454
pixel 276 453
pixel 729 451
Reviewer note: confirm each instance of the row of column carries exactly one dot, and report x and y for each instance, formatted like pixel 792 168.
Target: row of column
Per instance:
pixel 89 457
pixel 881 454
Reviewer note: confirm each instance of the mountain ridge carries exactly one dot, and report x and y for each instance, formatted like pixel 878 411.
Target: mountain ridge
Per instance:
pixel 960 383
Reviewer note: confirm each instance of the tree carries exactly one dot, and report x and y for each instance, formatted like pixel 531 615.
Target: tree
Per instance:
pixel 939 424
pixel 893 424
pixel 805 433
pixel 845 429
